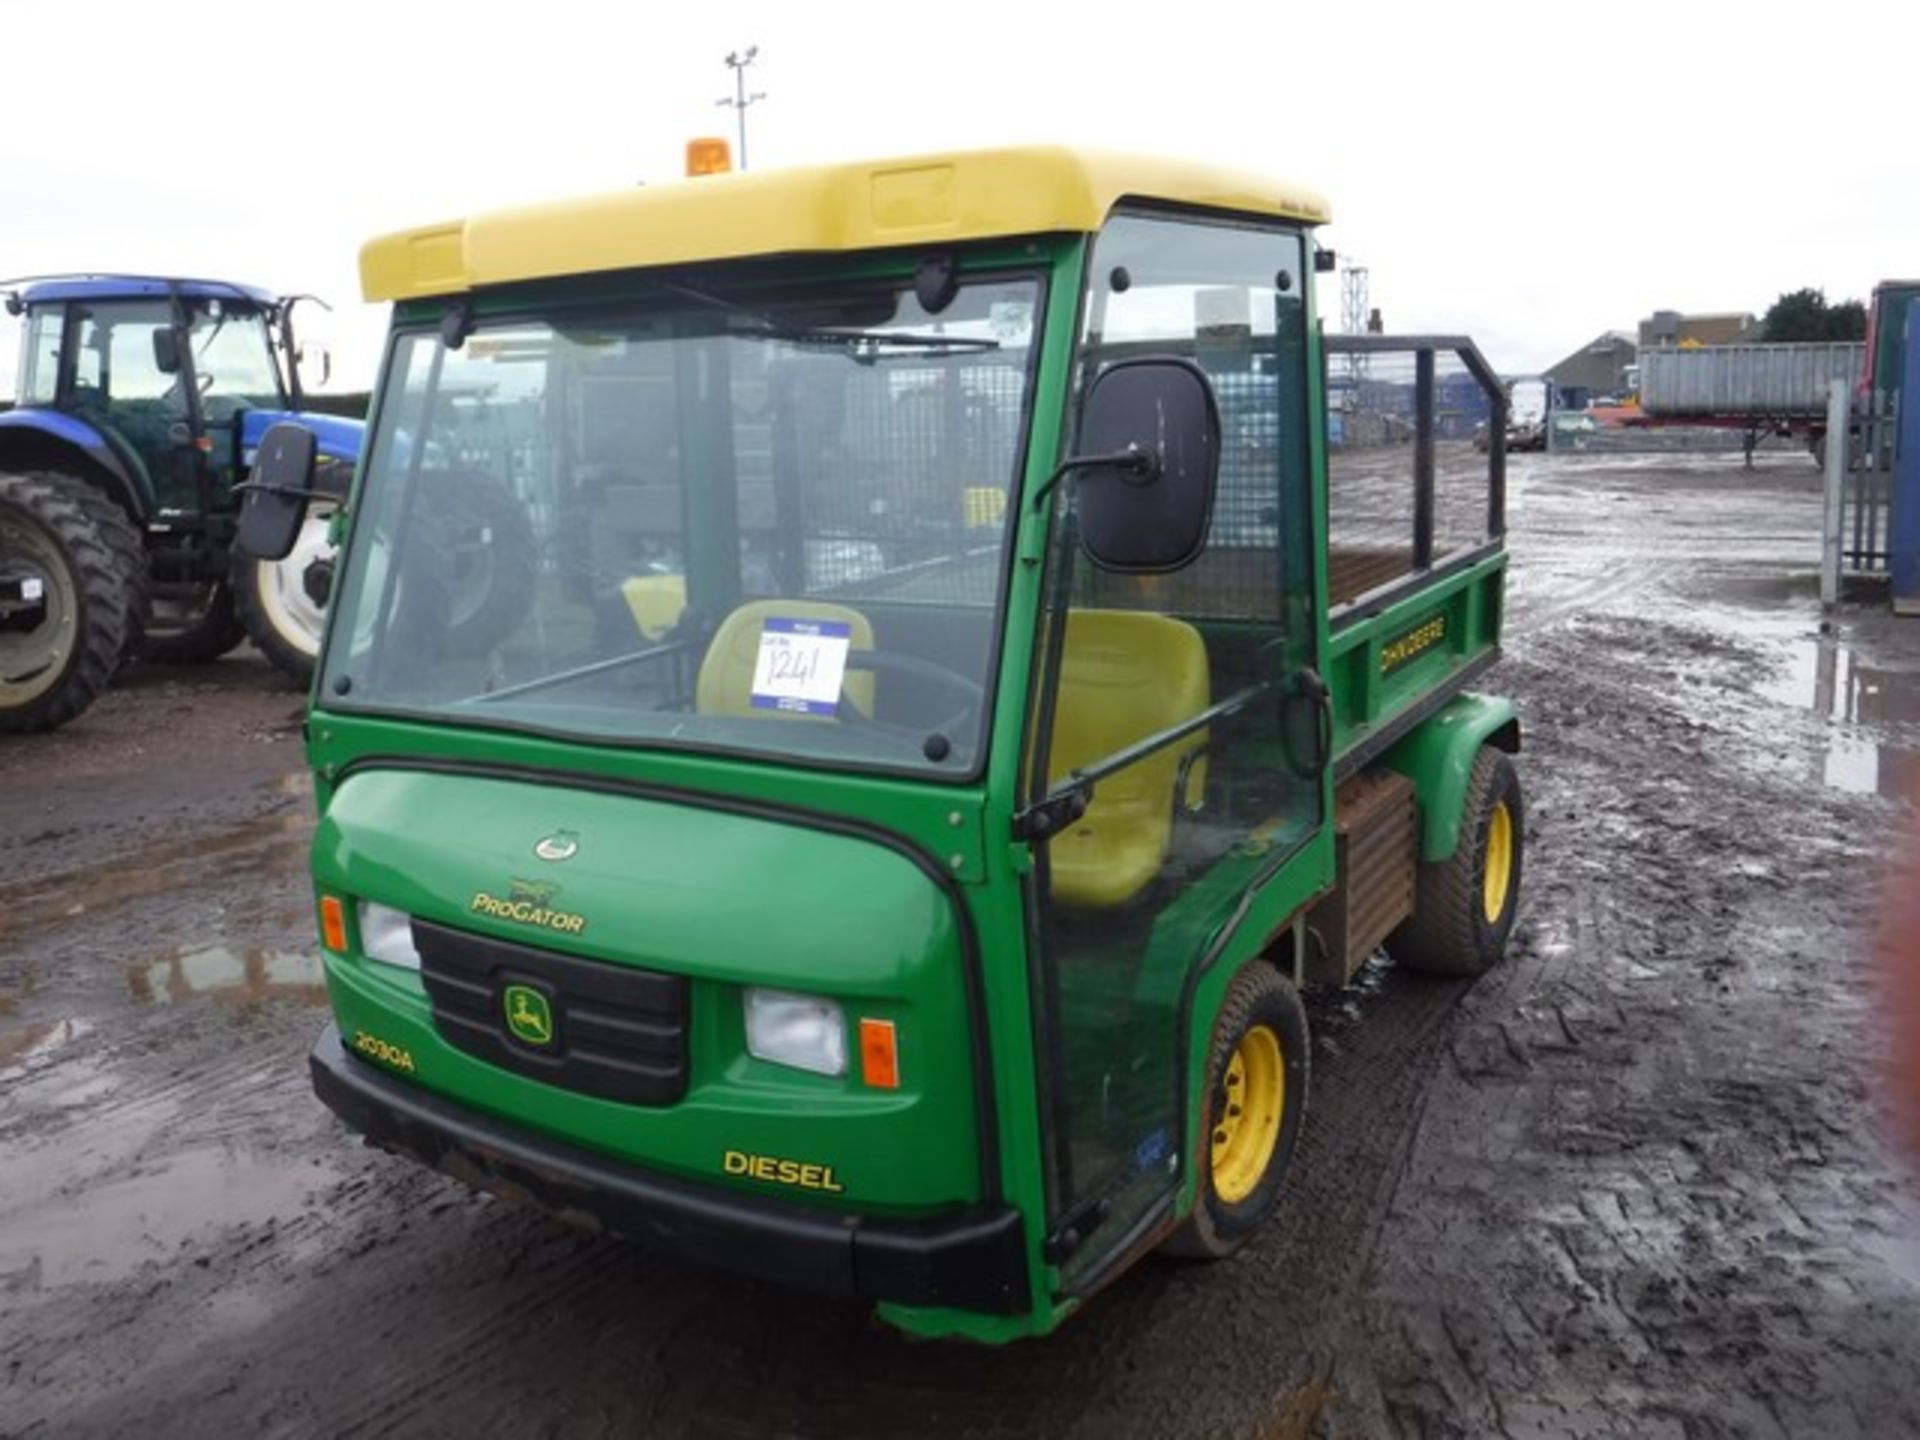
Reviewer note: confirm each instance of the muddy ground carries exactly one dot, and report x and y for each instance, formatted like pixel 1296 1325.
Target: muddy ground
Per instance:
pixel 1629 1184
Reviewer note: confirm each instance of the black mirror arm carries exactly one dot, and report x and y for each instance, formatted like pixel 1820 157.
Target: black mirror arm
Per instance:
pixel 1144 464
pixel 262 485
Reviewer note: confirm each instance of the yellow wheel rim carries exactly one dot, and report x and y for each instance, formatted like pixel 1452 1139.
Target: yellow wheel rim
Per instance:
pixel 1246 1122
pixel 1499 867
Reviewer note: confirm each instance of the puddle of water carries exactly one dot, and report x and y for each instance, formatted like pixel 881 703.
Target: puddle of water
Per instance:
pixel 121 1225
pixel 238 977
pixel 255 846
pixel 1825 676
pixel 1899 1253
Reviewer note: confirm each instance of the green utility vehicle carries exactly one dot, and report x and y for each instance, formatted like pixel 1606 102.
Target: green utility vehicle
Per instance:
pixel 851 711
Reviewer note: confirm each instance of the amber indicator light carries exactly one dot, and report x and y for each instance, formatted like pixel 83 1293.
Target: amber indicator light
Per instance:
pixel 333 924
pixel 879 1057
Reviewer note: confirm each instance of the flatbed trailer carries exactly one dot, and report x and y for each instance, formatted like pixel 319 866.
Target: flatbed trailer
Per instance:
pixel 920 697
pixel 1775 390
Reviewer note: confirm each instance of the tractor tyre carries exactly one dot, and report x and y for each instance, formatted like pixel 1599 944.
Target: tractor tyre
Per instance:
pixel 56 659
pixel 282 604
pixel 1464 905
pixel 1256 1097
pixel 190 625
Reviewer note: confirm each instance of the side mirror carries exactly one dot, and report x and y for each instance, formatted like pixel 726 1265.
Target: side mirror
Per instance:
pixel 277 492
pixel 1151 431
pixel 166 350
pixel 316 366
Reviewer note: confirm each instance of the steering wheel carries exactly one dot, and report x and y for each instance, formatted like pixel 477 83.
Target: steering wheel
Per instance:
pixel 968 692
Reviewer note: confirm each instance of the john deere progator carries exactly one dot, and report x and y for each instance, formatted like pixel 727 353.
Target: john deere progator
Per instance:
pixel 857 698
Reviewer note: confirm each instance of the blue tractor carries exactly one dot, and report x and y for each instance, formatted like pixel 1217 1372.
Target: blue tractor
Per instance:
pixel 140 403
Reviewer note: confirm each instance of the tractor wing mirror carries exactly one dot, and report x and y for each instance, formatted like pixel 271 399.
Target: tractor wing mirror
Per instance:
pixel 166 350
pixel 316 366
pixel 1150 429
pixel 277 493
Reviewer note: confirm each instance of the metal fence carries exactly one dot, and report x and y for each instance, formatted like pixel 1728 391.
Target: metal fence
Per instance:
pixel 1867 497
pixel 1409 484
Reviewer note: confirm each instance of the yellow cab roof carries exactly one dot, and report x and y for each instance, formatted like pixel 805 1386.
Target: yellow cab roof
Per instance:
pixel 872 205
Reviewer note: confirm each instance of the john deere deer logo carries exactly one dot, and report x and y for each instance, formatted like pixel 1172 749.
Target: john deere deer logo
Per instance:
pixel 529 1016
pixel 531 892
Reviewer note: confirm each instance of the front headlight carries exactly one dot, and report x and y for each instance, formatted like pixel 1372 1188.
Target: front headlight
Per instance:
pixel 386 935
pixel 803 1031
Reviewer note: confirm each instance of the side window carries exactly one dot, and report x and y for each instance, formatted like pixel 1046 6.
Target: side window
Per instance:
pixel 130 362
pixel 1232 301
pixel 40 355
pixel 116 360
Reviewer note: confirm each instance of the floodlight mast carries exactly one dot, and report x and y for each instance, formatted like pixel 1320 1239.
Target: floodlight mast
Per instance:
pixel 740 100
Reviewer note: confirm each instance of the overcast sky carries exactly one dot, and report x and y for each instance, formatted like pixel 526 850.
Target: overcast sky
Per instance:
pixel 1531 173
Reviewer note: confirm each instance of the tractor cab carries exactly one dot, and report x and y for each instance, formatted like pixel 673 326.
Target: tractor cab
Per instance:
pixel 161 371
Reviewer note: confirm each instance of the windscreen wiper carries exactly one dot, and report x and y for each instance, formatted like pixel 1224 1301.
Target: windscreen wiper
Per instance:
pixel 767 328
pixel 876 340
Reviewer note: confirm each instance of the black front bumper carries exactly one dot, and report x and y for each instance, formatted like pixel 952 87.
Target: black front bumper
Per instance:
pixel 971 1261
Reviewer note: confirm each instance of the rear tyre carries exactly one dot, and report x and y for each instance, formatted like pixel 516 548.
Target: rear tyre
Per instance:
pixel 282 604
pixel 484 586
pixel 1256 1096
pixel 188 624
pixel 85 569
pixel 1464 905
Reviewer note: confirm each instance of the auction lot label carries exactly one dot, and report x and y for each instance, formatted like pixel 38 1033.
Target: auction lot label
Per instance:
pixel 800 666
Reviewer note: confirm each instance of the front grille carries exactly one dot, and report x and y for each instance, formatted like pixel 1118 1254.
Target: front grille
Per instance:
pixel 616 1032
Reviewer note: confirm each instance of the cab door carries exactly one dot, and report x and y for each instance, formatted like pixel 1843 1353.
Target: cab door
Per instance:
pixel 1170 705
pixel 119 386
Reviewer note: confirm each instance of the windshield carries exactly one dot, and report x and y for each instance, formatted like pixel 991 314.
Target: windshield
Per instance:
pixel 757 525
pixel 232 360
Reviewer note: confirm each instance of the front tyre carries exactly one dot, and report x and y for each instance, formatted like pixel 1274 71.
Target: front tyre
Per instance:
pixel 76 574
pixel 283 603
pixel 1256 1095
pixel 1464 905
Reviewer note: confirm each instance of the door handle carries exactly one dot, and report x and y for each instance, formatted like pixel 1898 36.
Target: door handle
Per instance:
pixel 1311 686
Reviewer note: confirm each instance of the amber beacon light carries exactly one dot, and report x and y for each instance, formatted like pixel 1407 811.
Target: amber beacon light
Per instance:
pixel 708 155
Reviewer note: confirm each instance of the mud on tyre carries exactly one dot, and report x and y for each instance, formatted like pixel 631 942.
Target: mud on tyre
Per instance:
pixel 58 656
pixel 1257 1069
pixel 1464 905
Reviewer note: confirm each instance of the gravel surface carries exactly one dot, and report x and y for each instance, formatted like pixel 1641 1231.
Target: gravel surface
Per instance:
pixel 1631 1183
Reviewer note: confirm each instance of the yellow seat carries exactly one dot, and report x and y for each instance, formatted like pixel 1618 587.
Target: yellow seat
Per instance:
pixel 1124 675
pixel 725 686
pixel 657 602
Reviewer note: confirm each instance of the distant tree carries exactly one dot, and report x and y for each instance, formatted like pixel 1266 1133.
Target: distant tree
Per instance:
pixel 1847 321
pixel 1805 315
